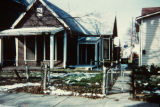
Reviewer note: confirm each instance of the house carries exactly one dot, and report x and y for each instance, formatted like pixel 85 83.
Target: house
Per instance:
pixel 148 30
pixel 44 33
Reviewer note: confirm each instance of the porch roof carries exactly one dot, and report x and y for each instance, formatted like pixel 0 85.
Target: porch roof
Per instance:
pixel 88 39
pixel 31 31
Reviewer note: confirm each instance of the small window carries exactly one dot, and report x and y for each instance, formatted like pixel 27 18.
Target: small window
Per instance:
pixel 39 12
pixel 106 49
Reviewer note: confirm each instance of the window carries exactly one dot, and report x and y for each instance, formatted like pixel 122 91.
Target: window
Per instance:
pixel 39 12
pixel 106 48
pixel 30 48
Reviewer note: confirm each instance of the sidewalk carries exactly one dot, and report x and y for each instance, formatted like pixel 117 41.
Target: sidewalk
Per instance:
pixel 114 100
pixel 122 84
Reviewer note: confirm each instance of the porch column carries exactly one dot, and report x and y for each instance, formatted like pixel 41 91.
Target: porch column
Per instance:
pixel 96 57
pixel 16 43
pixel 51 51
pixel 65 50
pixel 77 53
pixel 1 53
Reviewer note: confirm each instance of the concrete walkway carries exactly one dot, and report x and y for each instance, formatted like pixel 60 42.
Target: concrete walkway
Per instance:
pixel 122 83
pixel 31 100
pixel 114 100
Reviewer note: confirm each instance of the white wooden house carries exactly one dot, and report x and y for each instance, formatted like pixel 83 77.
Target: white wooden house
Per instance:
pixel 148 30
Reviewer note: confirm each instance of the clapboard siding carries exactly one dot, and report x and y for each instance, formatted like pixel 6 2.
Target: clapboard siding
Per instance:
pixel 150 32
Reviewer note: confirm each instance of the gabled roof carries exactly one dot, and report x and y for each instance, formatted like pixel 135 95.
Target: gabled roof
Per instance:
pixel 147 12
pixel 67 20
pixel 82 25
pixel 150 10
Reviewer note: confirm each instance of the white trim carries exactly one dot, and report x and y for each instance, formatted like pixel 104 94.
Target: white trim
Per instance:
pixel 141 17
pixel 22 15
pixel 35 55
pixel 51 51
pixel 44 49
pixel 65 50
pixel 37 31
pixel 24 48
pixel 54 13
pixel 16 40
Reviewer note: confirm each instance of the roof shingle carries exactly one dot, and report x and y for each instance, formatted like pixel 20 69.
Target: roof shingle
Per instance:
pixel 150 10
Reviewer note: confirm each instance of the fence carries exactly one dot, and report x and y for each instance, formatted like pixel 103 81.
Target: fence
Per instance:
pixel 109 78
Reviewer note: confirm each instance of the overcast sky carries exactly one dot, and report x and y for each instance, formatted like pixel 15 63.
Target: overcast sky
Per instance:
pixel 123 9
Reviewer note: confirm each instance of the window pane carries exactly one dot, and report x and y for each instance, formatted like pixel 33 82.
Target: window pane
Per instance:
pixel 106 49
pixel 30 48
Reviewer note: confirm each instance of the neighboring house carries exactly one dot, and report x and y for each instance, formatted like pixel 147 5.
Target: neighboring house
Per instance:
pixel 44 33
pixel 148 30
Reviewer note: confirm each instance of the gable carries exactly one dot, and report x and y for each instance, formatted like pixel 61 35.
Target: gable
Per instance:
pixel 39 16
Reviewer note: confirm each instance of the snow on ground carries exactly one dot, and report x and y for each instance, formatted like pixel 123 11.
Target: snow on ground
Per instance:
pixel 59 92
pixel 5 106
pixel 14 86
pixel 54 91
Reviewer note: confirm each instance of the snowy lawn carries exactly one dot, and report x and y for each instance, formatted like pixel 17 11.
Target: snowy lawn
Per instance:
pixel 77 84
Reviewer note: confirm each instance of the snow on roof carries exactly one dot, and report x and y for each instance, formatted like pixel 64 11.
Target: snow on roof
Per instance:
pixel 91 24
pixel 89 39
pixel 25 2
pixel 73 24
pixel 30 31
pixel 97 23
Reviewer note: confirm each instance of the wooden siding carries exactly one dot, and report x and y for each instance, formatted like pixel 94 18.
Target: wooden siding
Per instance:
pixel 21 51
pixel 32 20
pixel 150 32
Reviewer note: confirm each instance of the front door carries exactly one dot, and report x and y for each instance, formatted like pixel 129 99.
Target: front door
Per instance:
pixel 86 54
pixel 9 51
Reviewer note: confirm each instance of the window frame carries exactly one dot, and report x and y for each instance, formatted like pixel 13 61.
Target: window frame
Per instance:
pixel 25 50
pixel 109 49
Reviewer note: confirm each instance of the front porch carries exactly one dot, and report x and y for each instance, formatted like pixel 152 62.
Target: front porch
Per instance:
pixel 89 51
pixel 34 46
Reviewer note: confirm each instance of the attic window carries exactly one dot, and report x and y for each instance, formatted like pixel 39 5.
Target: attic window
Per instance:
pixel 39 12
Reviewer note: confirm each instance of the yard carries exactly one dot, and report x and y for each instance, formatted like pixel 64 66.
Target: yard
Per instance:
pixel 146 83
pixel 66 83
pixel 76 83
